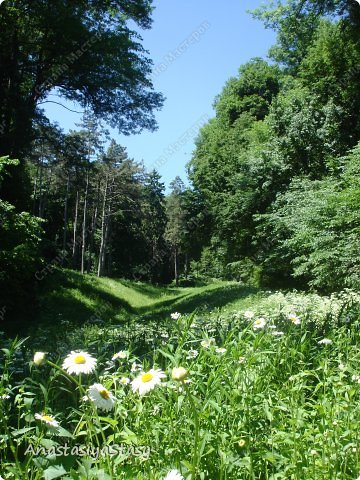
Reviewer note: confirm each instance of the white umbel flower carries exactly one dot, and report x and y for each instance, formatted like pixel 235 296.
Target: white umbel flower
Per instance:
pixel 124 380
pixel 259 323
pixel 325 341
pixel 207 342
pixel 174 475
pixel 103 399
pixel 39 358
pixel 47 419
pixel 79 362
pixel 146 381
pixel 175 315
pixel 249 314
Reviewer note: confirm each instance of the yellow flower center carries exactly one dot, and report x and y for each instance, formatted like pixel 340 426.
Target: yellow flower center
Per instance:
pixel 104 394
pixel 47 418
pixel 80 359
pixel 147 377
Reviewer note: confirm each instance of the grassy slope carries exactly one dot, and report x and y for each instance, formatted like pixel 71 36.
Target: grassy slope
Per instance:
pixel 68 295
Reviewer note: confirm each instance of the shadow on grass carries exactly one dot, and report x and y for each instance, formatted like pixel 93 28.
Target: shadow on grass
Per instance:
pixel 151 291
pixel 207 300
pixel 60 299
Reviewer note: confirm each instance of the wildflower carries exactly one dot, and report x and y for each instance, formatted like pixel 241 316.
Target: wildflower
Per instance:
pixel 79 362
pixel 242 443
pixel 103 399
pixel 325 341
pixel 294 319
pixel 147 381
pixel 39 358
pixel 207 342
pixel 277 334
pixel 179 374
pixel 175 315
pixel 313 452
pixel 356 378
pixel 174 475
pixel 192 354
pixel 124 380
pixel 220 350
pixel 5 396
pixel 122 354
pixel 249 314
pixel 135 367
pixel 259 323
pixel 47 419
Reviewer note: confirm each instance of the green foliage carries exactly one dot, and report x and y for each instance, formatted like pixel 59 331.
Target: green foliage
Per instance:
pixel 277 400
pixel 20 236
pixel 315 230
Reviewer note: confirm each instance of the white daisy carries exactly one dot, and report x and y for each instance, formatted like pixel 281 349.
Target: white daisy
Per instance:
pixel 259 323
pixel 325 341
pixel 220 350
pixel 124 380
pixel 122 354
pixel 249 314
pixel 135 367
pixel 39 358
pixel 179 374
pixel 294 319
pixel 175 315
pixel 146 381
pixel 174 475
pixel 103 399
pixel 79 362
pixel 207 342
pixel 192 354
pixel 47 419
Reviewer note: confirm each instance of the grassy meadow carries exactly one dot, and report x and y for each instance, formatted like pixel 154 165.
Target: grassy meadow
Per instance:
pixel 219 381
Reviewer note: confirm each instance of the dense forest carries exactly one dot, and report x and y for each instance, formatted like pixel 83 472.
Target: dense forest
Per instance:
pixel 274 191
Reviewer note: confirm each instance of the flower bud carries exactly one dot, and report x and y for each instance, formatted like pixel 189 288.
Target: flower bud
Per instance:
pixel 39 358
pixel 179 374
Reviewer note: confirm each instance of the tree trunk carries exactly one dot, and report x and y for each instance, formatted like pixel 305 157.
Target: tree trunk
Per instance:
pixel 93 229
pixel 83 243
pixel 74 251
pixel 176 267
pixel 102 241
pixel 65 217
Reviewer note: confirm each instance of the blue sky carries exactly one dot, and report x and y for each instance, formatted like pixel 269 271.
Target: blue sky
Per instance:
pixel 196 46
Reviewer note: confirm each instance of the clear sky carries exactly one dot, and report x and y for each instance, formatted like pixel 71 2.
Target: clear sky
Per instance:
pixel 196 46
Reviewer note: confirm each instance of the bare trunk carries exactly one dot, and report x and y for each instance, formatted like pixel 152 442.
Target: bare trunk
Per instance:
pixel 103 226
pixel 83 243
pixel 93 228
pixel 65 215
pixel 176 266
pixel 74 251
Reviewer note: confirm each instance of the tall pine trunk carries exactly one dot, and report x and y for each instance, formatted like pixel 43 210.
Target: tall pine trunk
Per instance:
pixel 65 217
pixel 74 250
pixel 83 242
pixel 103 228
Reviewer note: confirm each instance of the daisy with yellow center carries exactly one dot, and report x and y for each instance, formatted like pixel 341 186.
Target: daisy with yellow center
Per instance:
pixel 122 355
pixel 259 323
pixel 146 381
pixel 79 362
pixel 294 319
pixel 101 397
pixel 47 419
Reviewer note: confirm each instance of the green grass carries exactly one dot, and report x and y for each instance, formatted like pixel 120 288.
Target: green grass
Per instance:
pixel 258 406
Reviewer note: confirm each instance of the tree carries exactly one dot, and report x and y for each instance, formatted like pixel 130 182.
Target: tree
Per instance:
pixel 83 50
pixel 176 222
